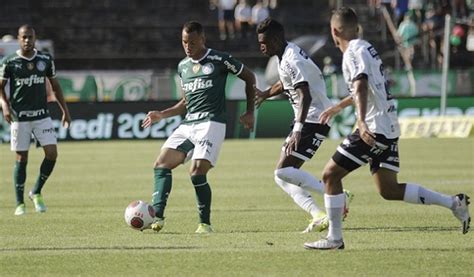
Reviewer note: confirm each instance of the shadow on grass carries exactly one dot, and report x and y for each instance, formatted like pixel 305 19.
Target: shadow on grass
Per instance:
pixel 404 229
pixel 95 248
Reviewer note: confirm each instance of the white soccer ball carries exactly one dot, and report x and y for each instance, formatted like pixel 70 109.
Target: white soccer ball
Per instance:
pixel 139 215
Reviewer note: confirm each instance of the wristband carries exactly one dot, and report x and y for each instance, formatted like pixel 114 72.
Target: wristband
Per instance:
pixel 297 127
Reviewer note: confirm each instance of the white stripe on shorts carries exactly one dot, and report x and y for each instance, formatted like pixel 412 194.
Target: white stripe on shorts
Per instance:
pixel 350 156
pixel 389 166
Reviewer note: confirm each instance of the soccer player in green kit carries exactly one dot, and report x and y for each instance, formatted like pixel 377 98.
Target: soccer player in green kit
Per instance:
pixel 28 71
pixel 203 76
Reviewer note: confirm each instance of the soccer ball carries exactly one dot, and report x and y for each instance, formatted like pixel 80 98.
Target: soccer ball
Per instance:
pixel 139 215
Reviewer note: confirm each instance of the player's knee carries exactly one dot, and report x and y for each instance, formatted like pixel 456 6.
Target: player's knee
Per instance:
pixel 282 173
pixel 22 157
pixel 328 177
pixel 51 155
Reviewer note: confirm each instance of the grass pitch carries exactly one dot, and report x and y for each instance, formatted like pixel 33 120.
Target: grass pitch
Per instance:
pixel 257 225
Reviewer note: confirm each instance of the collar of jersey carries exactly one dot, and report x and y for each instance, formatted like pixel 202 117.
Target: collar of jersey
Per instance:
pixel 203 57
pixel 285 52
pixel 23 57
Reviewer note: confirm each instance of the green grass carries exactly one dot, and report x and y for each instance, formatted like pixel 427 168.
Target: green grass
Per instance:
pixel 83 232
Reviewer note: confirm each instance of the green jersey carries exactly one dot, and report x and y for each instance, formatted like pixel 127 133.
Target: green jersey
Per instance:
pixel 203 82
pixel 27 78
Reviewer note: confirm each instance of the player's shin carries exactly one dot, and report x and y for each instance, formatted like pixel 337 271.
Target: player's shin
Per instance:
pixel 334 208
pixel 301 197
pixel 300 178
pixel 203 197
pixel 46 168
pixel 417 194
pixel 19 177
pixel 162 189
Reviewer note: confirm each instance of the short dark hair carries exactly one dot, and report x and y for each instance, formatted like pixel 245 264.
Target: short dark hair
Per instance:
pixel 193 26
pixel 26 27
pixel 347 16
pixel 272 28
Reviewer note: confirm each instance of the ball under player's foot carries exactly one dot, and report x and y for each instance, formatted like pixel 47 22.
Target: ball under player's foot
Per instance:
pixel 319 223
pixel 204 228
pixel 325 244
pixel 20 209
pixel 38 201
pixel 461 211
pixel 157 224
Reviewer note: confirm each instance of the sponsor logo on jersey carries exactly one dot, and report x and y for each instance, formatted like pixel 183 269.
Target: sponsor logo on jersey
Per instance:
pixel 30 66
pixel 290 70
pixel 32 80
pixel 197 84
pixel 372 51
pixel 208 68
pixel 41 66
pixel 32 113
pixel 215 58
pixel 18 65
pixel 196 68
pixel 230 67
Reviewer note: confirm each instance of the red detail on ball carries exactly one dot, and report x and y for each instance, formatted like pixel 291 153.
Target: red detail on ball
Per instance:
pixel 151 211
pixel 136 222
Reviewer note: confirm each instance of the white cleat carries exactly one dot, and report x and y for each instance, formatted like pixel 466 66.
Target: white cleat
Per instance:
pixel 461 211
pixel 325 244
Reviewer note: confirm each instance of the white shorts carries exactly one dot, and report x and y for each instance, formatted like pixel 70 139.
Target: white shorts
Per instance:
pixel 201 140
pixel 42 130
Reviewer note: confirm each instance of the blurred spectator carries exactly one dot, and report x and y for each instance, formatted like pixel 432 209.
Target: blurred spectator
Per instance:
pixel 272 4
pixel 408 31
pixel 225 13
pixel 329 67
pixel 260 12
pixel 433 26
pixel 417 8
pixel 400 7
pixel 243 18
pixel 460 9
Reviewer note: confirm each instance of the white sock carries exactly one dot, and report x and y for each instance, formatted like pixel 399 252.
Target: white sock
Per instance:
pixel 417 194
pixel 300 178
pixel 334 208
pixel 301 197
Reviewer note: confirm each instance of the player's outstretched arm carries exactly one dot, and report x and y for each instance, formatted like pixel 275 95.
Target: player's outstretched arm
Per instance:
pixel 155 116
pixel 248 118
pixel 4 102
pixel 260 96
pixel 326 115
pixel 58 93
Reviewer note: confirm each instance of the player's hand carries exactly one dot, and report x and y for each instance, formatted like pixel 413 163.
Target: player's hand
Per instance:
pixel 292 144
pixel 151 117
pixel 365 134
pixel 66 120
pixel 326 115
pixel 7 114
pixel 260 96
pixel 248 120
